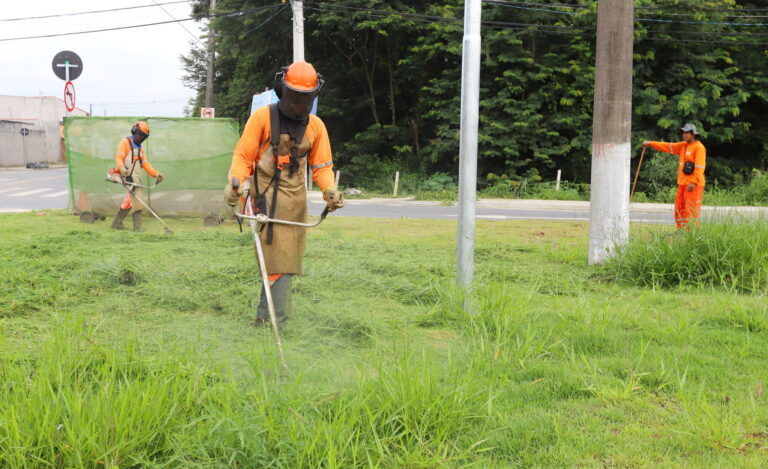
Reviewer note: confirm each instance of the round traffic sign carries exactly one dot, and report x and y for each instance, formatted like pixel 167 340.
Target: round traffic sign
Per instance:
pixel 69 96
pixel 65 62
pixel 24 131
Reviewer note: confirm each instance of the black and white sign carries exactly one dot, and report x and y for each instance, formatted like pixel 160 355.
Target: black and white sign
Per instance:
pixel 67 65
pixel 24 131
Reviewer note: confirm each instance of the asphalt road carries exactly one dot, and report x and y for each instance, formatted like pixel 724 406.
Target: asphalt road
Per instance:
pixel 23 190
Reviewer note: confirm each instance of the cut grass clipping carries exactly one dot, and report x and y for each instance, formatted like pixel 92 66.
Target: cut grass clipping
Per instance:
pixel 145 358
pixel 727 252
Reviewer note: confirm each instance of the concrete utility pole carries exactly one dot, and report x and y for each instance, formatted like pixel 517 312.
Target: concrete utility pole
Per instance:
pixel 211 56
pixel 611 125
pixel 470 105
pixel 298 30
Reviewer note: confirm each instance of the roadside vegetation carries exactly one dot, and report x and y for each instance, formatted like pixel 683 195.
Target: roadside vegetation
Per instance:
pixel 115 356
pixel 441 186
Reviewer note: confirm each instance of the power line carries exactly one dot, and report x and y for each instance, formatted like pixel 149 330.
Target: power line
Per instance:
pixel 268 19
pixel 180 24
pixel 194 18
pixel 637 8
pixel 60 15
pixel 651 20
pixel 550 29
pixel 431 18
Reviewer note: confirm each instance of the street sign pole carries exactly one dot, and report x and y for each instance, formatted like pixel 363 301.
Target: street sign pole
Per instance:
pixel 68 66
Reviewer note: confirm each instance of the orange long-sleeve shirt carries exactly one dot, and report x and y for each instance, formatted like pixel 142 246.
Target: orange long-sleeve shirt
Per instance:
pixel 256 139
pixel 693 151
pixel 124 152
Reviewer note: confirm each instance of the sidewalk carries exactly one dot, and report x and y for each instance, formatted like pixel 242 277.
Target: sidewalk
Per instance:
pixel 548 205
pixel 22 168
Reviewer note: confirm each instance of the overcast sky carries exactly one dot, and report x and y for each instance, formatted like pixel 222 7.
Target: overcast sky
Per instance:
pixel 128 72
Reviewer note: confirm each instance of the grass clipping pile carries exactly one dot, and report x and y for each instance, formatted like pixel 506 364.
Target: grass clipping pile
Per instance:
pixel 727 252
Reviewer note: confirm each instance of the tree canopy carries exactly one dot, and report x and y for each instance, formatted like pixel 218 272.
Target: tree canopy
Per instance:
pixel 393 71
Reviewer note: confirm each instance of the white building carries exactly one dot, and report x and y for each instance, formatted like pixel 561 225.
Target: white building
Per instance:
pixel 30 129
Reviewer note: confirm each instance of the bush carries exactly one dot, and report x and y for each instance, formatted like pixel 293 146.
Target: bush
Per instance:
pixel 722 252
pixel 756 192
pixel 505 187
pixel 439 182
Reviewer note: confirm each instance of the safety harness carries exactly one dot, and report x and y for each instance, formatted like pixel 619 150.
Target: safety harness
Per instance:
pixel 291 162
pixel 129 178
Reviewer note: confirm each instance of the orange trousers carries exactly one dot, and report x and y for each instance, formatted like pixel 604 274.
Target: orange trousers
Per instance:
pixel 688 205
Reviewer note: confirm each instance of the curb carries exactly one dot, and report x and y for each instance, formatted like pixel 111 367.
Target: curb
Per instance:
pixel 548 205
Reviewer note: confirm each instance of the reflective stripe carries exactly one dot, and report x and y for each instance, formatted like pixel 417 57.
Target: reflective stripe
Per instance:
pixel 321 165
pixel 699 166
pixel 670 147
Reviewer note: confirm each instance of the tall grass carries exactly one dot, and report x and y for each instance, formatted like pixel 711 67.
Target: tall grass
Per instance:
pixel 727 252
pixel 82 403
pixel 107 361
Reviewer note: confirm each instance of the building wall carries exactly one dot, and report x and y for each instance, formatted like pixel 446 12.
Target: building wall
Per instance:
pixel 41 145
pixel 35 108
pixel 42 117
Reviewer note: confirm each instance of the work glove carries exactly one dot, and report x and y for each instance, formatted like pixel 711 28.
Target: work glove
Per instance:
pixel 334 198
pixel 690 187
pixel 125 171
pixel 160 177
pixel 232 195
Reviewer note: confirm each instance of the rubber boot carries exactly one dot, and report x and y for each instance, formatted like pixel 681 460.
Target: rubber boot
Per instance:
pixel 137 220
pixel 281 297
pixel 117 224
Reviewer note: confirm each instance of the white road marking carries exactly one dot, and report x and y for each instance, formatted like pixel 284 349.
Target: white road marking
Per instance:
pixel 56 194
pixel 26 193
pixel 158 195
pixel 14 210
pixel 493 217
pixel 184 198
pixel 2 191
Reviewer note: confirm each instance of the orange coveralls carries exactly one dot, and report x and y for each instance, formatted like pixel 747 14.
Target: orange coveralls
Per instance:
pixel 123 153
pixel 687 204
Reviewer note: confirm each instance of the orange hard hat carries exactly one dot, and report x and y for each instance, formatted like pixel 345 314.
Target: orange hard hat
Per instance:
pixel 301 77
pixel 141 126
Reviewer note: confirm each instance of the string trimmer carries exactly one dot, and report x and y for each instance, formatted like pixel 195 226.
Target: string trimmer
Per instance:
pixel 256 221
pixel 129 186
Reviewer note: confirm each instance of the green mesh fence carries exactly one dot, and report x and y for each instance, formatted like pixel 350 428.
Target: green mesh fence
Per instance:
pixel 193 154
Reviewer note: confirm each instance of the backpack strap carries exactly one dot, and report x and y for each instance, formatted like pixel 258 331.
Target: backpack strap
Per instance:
pixel 129 178
pixel 274 129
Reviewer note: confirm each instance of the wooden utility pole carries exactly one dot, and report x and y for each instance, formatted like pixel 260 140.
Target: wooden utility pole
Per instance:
pixel 611 125
pixel 211 56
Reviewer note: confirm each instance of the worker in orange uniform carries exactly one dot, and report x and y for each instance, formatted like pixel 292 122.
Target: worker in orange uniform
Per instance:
pixel 277 144
pixel 130 159
pixel 690 173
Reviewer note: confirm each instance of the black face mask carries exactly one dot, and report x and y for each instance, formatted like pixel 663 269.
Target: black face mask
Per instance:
pixel 295 105
pixel 139 137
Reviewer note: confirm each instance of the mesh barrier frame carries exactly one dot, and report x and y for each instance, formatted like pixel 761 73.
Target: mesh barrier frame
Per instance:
pixel 193 154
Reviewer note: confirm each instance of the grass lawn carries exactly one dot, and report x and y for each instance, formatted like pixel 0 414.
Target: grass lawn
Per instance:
pixel 124 350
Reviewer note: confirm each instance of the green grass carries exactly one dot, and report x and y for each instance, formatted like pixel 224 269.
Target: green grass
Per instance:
pixel 727 252
pixel 135 350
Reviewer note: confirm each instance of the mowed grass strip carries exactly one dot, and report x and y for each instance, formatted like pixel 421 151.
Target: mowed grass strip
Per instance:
pixel 136 350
